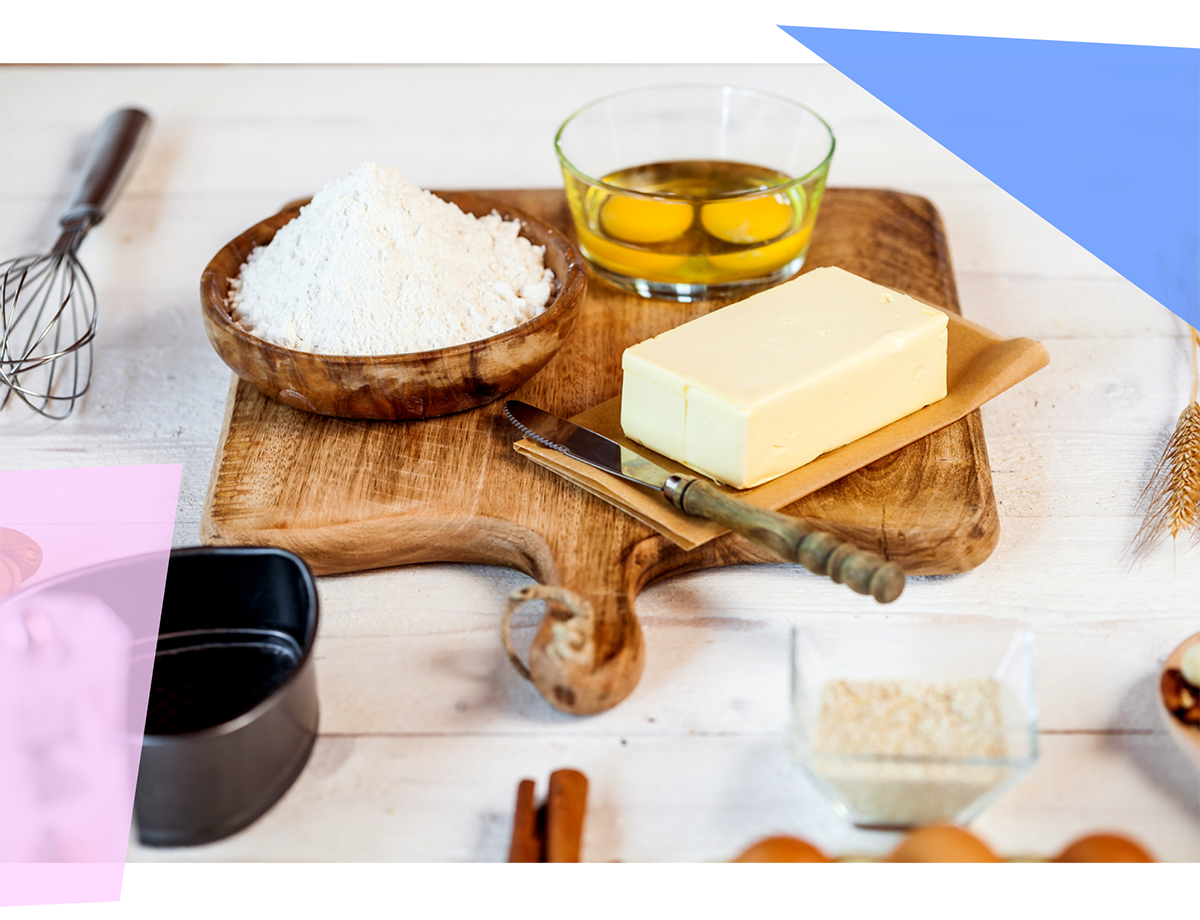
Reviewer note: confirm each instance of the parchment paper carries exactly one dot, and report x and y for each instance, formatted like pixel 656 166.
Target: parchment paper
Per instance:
pixel 980 365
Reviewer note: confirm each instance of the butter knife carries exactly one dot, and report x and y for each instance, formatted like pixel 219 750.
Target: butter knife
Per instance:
pixel 788 538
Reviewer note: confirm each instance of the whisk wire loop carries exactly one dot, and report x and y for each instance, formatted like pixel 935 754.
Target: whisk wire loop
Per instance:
pixel 48 306
pixel 47 300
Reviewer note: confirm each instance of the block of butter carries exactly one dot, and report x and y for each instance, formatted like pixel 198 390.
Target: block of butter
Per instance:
pixel 763 386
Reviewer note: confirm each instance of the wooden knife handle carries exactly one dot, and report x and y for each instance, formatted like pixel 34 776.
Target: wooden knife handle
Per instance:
pixel 790 539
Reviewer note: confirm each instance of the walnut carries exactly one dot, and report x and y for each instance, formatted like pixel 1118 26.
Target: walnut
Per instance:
pixel 1181 697
pixel 20 557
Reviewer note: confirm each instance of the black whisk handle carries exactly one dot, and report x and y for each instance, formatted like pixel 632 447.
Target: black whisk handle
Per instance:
pixel 109 162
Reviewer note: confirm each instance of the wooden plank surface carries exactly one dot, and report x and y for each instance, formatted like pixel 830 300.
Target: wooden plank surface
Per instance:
pixel 426 728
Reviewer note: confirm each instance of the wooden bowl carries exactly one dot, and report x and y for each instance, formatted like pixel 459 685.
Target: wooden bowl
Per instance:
pixel 1186 736
pixel 407 386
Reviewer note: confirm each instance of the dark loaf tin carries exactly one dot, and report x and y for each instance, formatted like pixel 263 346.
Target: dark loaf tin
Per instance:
pixel 232 714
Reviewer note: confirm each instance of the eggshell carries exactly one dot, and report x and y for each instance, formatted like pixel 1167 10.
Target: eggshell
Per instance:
pixel 1104 848
pixel 782 850
pixel 941 844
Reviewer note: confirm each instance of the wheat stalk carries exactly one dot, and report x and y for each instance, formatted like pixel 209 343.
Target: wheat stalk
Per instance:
pixel 1172 497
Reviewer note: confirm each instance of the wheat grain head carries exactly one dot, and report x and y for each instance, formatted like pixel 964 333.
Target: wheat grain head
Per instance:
pixel 1172 497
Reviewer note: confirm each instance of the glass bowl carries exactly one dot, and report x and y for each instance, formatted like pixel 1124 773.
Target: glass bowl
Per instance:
pixel 917 722
pixel 694 192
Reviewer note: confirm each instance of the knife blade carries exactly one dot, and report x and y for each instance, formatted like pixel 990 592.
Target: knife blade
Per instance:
pixel 785 537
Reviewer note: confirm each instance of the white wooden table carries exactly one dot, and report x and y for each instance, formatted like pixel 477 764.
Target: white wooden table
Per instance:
pixel 426 729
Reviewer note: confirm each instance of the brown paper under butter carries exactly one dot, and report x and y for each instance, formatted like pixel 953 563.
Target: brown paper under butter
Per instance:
pixel 979 366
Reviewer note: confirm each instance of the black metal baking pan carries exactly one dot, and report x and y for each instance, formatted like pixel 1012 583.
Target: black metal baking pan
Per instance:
pixel 232 713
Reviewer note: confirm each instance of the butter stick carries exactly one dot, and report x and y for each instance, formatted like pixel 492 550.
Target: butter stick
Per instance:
pixel 763 386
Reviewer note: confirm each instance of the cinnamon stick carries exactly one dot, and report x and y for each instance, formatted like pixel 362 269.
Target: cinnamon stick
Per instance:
pixel 526 843
pixel 565 808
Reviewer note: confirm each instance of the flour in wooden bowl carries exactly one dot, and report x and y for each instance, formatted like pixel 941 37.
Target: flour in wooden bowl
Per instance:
pixel 375 266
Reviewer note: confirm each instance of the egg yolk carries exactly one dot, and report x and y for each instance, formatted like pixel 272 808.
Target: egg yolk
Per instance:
pixel 748 220
pixel 645 220
pixel 653 266
pixel 753 262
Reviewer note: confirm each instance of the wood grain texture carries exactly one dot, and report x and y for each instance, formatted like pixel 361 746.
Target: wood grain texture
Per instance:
pixel 352 495
pixel 419 385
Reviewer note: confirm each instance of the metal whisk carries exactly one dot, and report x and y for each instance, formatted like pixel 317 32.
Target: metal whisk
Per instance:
pixel 48 319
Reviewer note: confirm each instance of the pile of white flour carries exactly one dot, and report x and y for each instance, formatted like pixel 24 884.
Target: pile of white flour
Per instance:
pixel 375 266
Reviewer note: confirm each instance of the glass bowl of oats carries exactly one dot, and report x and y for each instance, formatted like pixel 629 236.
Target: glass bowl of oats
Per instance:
pixel 914 721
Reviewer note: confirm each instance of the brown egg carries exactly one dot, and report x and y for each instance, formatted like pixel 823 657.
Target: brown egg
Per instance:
pixel 941 844
pixel 1104 848
pixel 782 850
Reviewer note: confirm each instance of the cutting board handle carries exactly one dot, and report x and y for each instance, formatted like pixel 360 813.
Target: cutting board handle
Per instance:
pixel 587 654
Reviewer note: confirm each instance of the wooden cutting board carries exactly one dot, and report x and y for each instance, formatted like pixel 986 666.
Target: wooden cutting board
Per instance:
pixel 353 495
